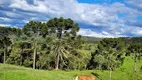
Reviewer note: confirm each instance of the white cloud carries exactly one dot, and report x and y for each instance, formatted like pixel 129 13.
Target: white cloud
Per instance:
pixel 98 15
pixel 137 31
pixel 5 25
pixel 8 25
pixel 5 19
pixel 137 3
pixel 25 21
pixel 103 34
pixel 38 6
pixel 12 14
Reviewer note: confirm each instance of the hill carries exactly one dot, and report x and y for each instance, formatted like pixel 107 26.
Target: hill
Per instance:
pixel 91 39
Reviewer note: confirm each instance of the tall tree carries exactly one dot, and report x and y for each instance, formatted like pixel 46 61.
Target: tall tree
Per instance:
pixel 5 43
pixel 113 51
pixel 33 30
pixel 62 27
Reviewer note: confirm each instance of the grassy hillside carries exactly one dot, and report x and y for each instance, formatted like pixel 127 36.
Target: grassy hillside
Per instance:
pixel 11 72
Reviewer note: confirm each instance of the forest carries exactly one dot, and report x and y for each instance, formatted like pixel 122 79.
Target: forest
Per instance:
pixel 55 44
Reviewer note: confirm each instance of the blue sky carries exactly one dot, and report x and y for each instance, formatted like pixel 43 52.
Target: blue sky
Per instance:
pixel 97 18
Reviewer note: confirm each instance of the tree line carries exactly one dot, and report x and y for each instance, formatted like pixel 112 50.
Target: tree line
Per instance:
pixel 55 45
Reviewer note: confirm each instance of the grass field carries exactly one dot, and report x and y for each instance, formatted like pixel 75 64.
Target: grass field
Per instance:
pixel 11 72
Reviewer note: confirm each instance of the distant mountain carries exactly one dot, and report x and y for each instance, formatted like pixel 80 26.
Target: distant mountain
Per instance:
pixel 132 40
pixel 125 39
pixel 91 39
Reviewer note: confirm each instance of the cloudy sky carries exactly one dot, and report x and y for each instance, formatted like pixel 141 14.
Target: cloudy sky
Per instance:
pixel 97 18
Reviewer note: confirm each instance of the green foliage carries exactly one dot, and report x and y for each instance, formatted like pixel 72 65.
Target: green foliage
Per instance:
pixel 61 25
pixel 20 53
pixel 4 44
pixel 135 50
pixel 110 54
pixel 91 39
pixel 32 27
pixel 79 60
pixel 46 61
pixel 7 30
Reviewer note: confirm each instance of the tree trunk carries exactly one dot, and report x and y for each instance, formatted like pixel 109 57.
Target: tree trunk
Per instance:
pixel 135 66
pixel 135 61
pixel 34 58
pixel 110 68
pixel 4 57
pixel 21 59
pixel 100 66
pixel 57 60
pixel 110 74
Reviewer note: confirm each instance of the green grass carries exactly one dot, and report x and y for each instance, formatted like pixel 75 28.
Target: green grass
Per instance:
pixel 129 63
pixel 11 72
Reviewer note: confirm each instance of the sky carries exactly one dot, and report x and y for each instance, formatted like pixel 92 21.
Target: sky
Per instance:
pixel 96 18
